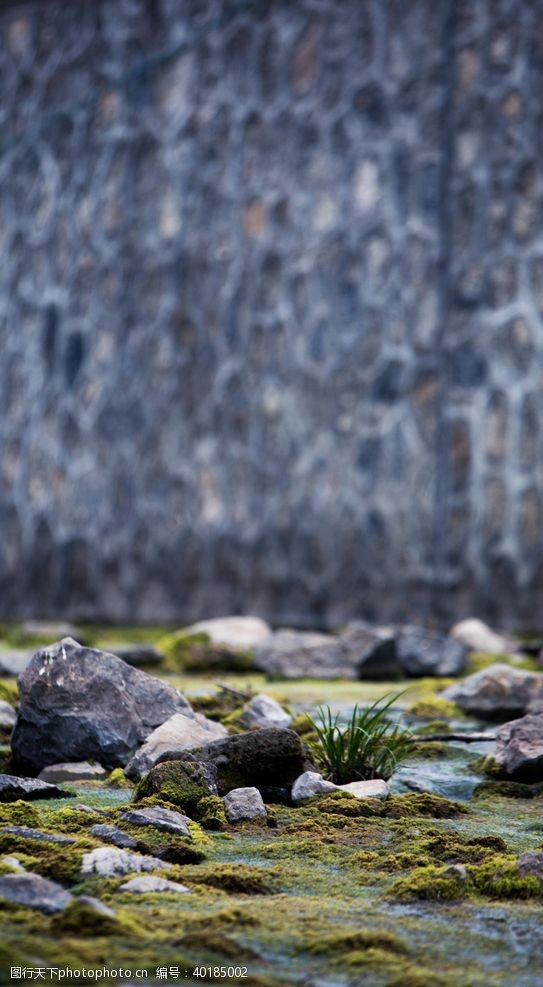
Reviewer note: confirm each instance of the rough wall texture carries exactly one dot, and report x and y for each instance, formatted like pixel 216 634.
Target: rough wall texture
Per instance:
pixel 271 303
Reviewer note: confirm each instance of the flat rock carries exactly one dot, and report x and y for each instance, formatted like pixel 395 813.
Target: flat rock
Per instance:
pixel 497 692
pixel 308 784
pixel 312 783
pixel 269 759
pixel 165 820
pixel 12 788
pixel 112 861
pixel 178 733
pixel 78 703
pixel 153 885
pixel 244 803
pixel 263 711
pixel 244 633
pixel 110 834
pixel 33 891
pixel 138 654
pixel 75 771
pixel 375 788
pixel 14 662
pixel 519 748
pixel 7 715
pixel 421 652
pixel 478 636
pixel 530 864
pixel 36 834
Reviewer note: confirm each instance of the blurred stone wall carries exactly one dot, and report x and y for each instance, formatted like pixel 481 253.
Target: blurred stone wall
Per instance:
pixel 271 302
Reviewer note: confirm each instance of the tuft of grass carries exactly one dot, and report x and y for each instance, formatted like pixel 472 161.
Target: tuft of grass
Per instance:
pixel 368 746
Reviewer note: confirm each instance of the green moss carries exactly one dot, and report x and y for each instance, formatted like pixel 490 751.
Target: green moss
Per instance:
pixel 346 804
pixel 175 851
pixel 9 692
pixel 500 878
pixel 504 789
pixel 118 779
pixel 434 708
pixel 18 813
pixel 423 804
pixel 345 942
pixel 82 919
pixel 181 784
pixel 59 862
pixel 234 879
pixel 70 821
pixel 211 814
pixel 219 944
pixel 196 652
pixel 429 884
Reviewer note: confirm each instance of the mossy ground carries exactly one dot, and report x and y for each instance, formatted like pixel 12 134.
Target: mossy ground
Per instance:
pixel 338 892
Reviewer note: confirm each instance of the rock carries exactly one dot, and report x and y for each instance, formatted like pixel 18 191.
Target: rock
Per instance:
pixel 35 834
pixel 75 771
pixel 7 715
pixel 497 692
pixel 244 633
pixel 477 636
pixel 165 820
pixel 361 652
pixel 14 662
pixel 458 871
pixel 33 891
pixel 263 711
pixel 519 748
pixel 14 863
pixel 96 905
pixel 153 885
pixel 421 652
pixel 81 807
pixel 51 630
pixel 12 788
pixel 138 654
pixel 375 788
pixel 78 703
pixel 178 733
pixel 269 760
pixel 530 864
pixel 110 834
pixel 244 803
pixel 110 861
pixel 308 784
pixel 311 783
pixel 183 783
pixel 371 649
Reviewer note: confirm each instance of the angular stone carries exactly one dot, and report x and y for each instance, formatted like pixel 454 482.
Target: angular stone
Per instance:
pixel 477 636
pixel 153 885
pixel 244 803
pixel 75 771
pixel 178 733
pixel 375 788
pixel 244 633
pixel 165 820
pixel 12 788
pixel 497 692
pixel 7 715
pixel 421 652
pixel 263 711
pixel 530 864
pixel 310 783
pixel 110 861
pixel 78 703
pixel 519 748
pixel 110 834
pixel 35 834
pixel 33 891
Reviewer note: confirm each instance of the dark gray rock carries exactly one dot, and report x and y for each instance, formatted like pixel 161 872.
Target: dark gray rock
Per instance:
pixel 497 692
pixel 360 652
pixel 33 891
pixel 12 788
pixel 269 760
pixel 139 654
pixel 421 652
pixel 519 748
pixel 78 703
pixel 165 820
pixel 36 834
pixel 110 834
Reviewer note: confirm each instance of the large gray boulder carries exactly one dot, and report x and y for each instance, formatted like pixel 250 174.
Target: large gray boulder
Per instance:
pixel 360 652
pixel 519 748
pixel 178 733
pixel 497 692
pixel 32 891
pixel 421 652
pixel 78 703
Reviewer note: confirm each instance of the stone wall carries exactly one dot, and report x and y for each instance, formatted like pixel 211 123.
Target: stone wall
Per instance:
pixel 271 302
